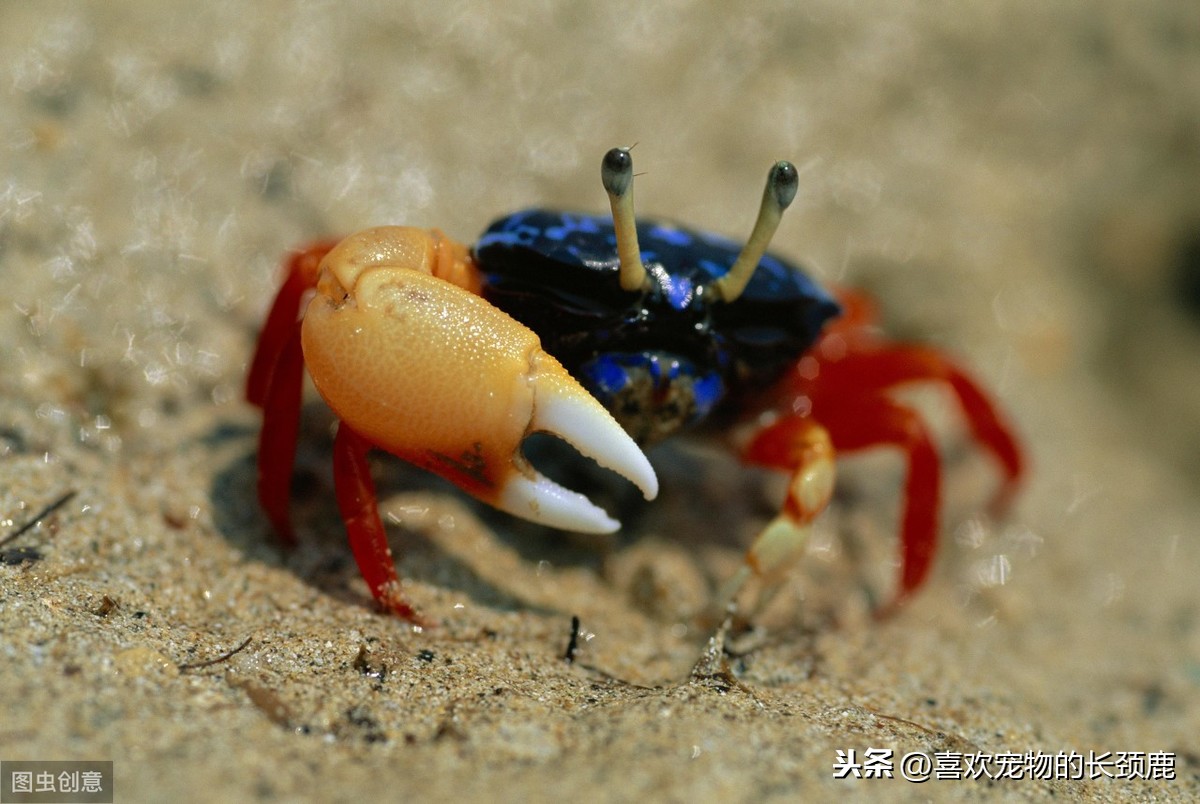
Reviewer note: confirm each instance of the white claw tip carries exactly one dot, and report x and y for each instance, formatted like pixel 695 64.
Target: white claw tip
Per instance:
pixel 563 408
pixel 584 424
pixel 539 499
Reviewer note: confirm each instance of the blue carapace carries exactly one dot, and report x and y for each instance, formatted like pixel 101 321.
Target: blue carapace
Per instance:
pixel 668 354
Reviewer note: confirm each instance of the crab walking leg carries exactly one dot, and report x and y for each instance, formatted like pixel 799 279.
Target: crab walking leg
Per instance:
pixel 877 421
pixel 360 511
pixel 275 383
pixel 300 277
pixel 277 439
pixel 853 359
pixel 429 371
pixel 886 366
pixel 798 445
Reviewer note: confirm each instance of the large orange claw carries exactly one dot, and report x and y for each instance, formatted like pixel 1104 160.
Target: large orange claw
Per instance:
pixel 427 370
pixel 414 362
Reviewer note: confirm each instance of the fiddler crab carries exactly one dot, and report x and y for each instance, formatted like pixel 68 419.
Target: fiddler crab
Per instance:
pixel 610 333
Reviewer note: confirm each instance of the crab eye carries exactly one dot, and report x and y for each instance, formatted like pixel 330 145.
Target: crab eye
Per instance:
pixel 783 181
pixel 616 171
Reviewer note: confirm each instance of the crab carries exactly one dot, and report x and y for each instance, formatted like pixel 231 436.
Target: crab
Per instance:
pixel 611 333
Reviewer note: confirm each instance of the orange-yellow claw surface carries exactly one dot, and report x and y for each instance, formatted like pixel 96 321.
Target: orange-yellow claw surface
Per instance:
pixel 415 362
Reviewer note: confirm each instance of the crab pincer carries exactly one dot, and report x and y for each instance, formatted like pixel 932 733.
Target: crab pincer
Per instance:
pixel 416 363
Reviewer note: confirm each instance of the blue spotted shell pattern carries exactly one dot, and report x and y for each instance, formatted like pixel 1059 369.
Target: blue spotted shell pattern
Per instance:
pixel 660 358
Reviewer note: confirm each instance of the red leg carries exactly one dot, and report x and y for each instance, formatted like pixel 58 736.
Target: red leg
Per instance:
pixel 882 367
pixel 277 439
pixel 846 390
pixel 360 511
pixel 275 333
pixel 877 420
pixel 275 384
pixel 797 444
pixel 300 276
pixel 800 446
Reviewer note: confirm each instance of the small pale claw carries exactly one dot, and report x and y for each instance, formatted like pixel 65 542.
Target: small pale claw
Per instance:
pixel 539 499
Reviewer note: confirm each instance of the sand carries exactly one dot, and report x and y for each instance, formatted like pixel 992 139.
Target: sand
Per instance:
pixel 1015 182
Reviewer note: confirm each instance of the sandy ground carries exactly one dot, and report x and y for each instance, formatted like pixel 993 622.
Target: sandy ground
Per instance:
pixel 1015 181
